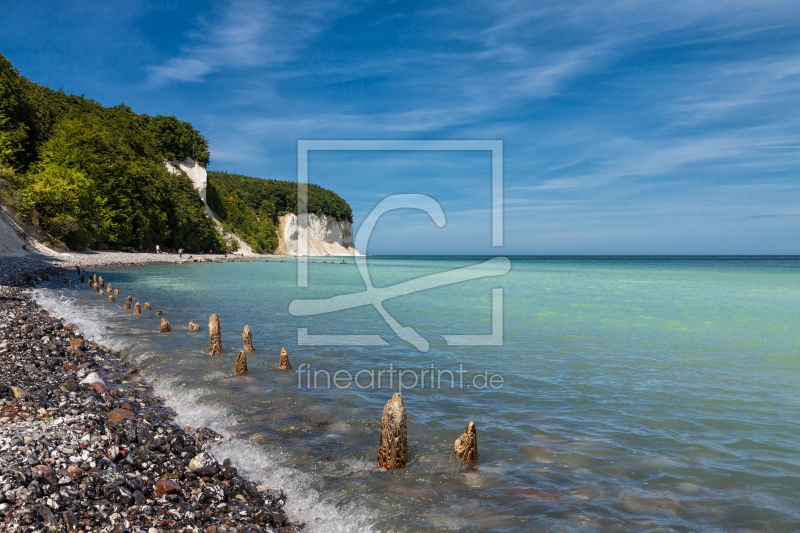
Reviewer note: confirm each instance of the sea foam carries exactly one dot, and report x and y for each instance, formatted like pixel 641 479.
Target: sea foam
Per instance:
pixel 304 504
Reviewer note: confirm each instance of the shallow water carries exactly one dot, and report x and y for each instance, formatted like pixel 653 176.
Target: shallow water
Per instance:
pixel 639 394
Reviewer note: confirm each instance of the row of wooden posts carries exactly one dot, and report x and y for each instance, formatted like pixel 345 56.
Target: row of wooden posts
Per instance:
pixel 393 449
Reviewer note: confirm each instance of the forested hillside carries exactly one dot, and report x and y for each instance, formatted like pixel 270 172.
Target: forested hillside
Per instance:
pixel 250 207
pixel 92 176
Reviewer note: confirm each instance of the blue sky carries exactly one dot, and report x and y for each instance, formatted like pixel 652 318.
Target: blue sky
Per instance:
pixel 628 127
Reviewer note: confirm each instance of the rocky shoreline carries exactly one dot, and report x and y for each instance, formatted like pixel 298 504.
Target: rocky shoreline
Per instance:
pixel 86 446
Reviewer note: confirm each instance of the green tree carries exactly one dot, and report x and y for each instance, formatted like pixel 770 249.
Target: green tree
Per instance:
pixel 13 131
pixel 65 203
pixel 176 140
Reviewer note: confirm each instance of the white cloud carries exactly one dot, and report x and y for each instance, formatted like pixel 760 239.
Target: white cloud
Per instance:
pixel 246 34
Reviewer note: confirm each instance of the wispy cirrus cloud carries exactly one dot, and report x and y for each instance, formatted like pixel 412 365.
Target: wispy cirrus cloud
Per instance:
pixel 244 34
pixel 633 108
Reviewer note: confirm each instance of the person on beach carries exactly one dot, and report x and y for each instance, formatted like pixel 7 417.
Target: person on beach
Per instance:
pixel 158 250
pixel 180 253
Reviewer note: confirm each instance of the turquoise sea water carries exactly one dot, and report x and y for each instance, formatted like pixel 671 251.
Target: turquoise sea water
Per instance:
pixel 639 394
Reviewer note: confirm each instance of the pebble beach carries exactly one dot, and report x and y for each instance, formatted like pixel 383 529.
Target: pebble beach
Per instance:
pixel 84 443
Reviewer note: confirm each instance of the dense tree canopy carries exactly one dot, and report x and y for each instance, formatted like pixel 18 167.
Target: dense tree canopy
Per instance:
pixel 92 176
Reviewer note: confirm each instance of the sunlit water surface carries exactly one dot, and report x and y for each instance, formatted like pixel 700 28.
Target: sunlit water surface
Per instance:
pixel 639 394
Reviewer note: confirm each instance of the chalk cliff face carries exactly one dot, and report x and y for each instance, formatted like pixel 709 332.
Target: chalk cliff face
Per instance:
pixel 18 238
pixel 195 171
pixel 12 241
pixel 327 236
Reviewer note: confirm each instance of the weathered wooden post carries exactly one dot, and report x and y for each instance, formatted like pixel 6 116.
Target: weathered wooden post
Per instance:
pixel 466 446
pixel 96 287
pixel 110 297
pixel 164 327
pixel 147 306
pixel 116 292
pixel 137 310
pixel 130 298
pixel 109 289
pixel 393 451
pixel 159 313
pixel 247 337
pixel 193 326
pixel 127 305
pixel 100 282
pixel 284 362
pixel 214 335
pixel 241 363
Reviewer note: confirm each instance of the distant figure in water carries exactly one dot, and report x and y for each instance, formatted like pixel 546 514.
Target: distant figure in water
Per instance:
pixel 158 250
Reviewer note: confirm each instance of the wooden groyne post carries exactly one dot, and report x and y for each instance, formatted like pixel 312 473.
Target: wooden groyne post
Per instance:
pixel 284 362
pixel 214 336
pixel 466 446
pixel 247 337
pixel 241 363
pixel 393 450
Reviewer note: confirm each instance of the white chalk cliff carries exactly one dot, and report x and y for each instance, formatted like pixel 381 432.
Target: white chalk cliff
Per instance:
pixel 327 236
pixel 18 238
pixel 197 173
